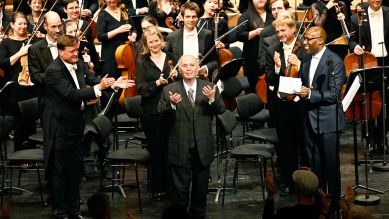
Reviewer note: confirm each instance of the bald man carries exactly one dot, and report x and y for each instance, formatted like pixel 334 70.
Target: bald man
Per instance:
pixel 190 104
pixel 43 52
pixel 322 79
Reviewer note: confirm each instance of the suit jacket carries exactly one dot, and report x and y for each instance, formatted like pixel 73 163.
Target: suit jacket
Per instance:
pixel 322 101
pixel 130 7
pixel 92 5
pixel 39 58
pixel 63 117
pixel 190 126
pixel 365 30
pixel 174 44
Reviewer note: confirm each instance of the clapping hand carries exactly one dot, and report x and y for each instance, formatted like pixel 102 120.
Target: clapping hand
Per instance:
pixel 106 82
pixel 175 98
pixel 209 92
pixel 123 83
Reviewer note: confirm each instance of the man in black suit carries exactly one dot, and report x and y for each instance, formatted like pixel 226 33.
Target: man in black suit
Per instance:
pixel 43 52
pixel 63 123
pixel 188 40
pixel 288 111
pixel 190 104
pixel 374 30
pixel 322 78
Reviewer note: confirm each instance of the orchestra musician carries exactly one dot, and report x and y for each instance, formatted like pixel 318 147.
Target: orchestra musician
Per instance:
pixel 137 9
pixel 112 31
pixel 374 31
pixel 193 40
pixel 63 123
pixel 72 10
pixel 153 69
pixel 322 78
pixel 165 12
pixel 258 18
pixel 190 104
pixel 36 17
pixel 87 9
pixel 284 59
pixel 4 20
pixel 43 52
pixel 208 20
pixel 12 49
pixel 326 13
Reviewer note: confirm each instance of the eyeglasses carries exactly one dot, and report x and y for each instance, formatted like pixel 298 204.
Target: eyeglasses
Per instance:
pixel 309 39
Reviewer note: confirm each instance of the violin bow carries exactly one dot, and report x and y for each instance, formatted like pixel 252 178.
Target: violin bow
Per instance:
pixel 93 19
pixel 41 14
pixel 78 21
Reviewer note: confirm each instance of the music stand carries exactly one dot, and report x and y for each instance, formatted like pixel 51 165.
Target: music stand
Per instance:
pixel 229 69
pixel 372 81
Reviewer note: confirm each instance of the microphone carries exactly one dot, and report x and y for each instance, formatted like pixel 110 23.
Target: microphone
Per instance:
pixel 319 84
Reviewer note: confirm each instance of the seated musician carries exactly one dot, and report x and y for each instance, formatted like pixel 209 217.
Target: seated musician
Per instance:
pixel 284 59
pixel 192 40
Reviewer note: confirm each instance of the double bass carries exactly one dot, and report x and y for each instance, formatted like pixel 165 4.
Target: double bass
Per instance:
pixel 126 61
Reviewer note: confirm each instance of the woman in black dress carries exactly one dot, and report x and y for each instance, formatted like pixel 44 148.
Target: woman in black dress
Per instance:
pixel 258 17
pixel 112 31
pixel 12 49
pixel 163 11
pixel 152 74
pixel 36 17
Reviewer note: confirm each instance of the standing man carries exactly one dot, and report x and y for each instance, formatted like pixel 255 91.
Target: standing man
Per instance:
pixel 288 113
pixel 191 104
pixel 193 41
pixel 63 123
pixel 43 52
pixel 322 78
pixel 374 31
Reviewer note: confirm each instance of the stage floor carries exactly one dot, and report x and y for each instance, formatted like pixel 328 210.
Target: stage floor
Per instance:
pixel 247 202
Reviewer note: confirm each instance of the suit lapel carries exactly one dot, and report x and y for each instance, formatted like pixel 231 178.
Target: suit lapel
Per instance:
pixel 67 73
pixel 180 42
pixel 80 75
pixel 45 51
pixel 385 13
pixel 366 26
pixel 320 67
pixel 186 105
pixel 201 43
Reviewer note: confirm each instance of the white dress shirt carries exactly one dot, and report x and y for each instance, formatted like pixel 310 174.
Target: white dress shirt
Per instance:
pixel 191 43
pixel 376 20
pixel 314 63
pixel 53 48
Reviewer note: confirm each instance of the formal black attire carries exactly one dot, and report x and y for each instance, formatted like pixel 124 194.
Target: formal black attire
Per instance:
pixel 31 25
pixel 5 21
pixel 92 5
pixel 160 15
pixel 106 23
pixel 63 125
pixel 137 18
pixel 251 47
pixel 320 129
pixel 191 146
pixel 154 126
pixel 22 127
pixel 209 24
pixel 288 115
pixel 175 45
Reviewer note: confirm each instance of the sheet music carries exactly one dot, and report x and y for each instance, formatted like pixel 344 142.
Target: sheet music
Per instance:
pixel 351 93
pixel 289 85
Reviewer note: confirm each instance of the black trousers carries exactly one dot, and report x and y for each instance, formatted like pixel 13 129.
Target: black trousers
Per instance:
pixel 182 194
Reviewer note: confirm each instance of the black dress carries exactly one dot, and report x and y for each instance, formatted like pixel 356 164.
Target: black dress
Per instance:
pixel 251 47
pixel 31 25
pixel 22 128
pixel 153 124
pixel 106 23
pixel 161 16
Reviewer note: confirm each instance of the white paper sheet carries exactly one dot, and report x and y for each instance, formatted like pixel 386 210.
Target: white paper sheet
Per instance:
pixel 351 93
pixel 289 85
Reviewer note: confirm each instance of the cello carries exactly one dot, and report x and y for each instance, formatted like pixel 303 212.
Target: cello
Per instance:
pixel 126 61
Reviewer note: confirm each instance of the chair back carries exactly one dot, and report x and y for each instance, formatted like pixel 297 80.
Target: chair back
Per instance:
pixel 248 105
pixel 232 88
pixel 103 125
pixel 229 69
pixel 4 131
pixel 29 108
pixel 228 121
pixel 133 106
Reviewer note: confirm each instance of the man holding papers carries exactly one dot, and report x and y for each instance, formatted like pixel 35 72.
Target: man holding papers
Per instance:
pixel 288 111
pixel 322 76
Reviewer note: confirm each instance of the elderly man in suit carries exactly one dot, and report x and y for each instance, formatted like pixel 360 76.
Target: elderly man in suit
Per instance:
pixel 322 78
pixel 63 123
pixel 193 41
pixel 190 103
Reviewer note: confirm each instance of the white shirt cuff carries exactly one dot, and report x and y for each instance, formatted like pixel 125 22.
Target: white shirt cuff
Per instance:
pixel 97 91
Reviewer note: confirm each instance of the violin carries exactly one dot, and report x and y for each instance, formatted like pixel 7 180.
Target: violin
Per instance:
pixel 225 55
pixel 170 22
pixel 126 61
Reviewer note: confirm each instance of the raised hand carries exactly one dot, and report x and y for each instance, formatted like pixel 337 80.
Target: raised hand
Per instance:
pixel 161 81
pixel 175 98
pixel 106 82
pixel 209 92
pixel 123 82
